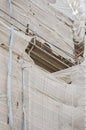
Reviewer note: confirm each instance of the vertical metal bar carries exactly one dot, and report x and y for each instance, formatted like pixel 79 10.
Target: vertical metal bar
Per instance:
pixel 85 86
pixel 10 6
pixel 23 96
pixel 9 80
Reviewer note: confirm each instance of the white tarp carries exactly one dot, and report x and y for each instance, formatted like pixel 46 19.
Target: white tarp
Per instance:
pixel 49 102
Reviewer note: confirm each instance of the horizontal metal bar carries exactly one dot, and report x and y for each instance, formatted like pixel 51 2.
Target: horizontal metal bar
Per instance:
pixel 45 60
pixel 50 55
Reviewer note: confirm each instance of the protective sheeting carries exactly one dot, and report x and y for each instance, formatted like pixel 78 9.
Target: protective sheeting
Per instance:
pixel 16 92
pixel 40 101
pixel 33 13
pixel 49 103
pixel 64 7
pixel 20 40
pixel 76 10
pixel 67 113
pixel 79 11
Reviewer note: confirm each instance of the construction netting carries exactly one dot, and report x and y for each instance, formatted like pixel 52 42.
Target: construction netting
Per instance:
pixel 30 98
pixel 57 104
pixel 48 102
pixel 33 13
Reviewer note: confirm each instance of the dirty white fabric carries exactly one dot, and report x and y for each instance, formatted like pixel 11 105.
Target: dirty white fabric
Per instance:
pixel 52 102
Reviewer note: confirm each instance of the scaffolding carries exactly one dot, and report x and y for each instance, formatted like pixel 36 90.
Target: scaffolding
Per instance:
pixel 32 98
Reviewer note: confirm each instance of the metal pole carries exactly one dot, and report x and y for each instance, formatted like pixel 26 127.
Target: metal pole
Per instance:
pixel 23 95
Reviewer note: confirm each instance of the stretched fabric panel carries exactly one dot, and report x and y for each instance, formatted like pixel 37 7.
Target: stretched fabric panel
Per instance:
pixel 49 103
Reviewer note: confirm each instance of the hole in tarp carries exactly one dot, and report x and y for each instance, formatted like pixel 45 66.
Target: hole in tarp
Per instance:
pixel 70 82
pixel 2 44
pixel 18 57
pixel 7 120
pixel 17 104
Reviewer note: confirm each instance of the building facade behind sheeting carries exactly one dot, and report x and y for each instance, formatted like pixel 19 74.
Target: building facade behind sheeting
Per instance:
pixel 31 98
